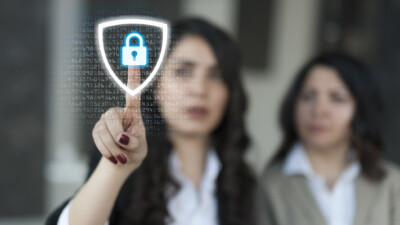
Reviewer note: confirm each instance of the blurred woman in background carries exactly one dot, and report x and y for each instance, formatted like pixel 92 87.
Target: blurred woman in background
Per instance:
pixel 328 169
pixel 179 159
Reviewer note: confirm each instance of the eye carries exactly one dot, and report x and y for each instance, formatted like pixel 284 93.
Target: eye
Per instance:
pixel 338 98
pixel 307 96
pixel 182 72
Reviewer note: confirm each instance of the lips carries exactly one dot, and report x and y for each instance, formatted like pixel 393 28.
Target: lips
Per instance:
pixel 197 112
pixel 317 128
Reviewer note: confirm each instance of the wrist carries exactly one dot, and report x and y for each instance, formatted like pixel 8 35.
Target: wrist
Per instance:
pixel 119 171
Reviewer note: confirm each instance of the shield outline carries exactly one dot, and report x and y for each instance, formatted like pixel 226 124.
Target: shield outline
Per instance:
pixel 132 21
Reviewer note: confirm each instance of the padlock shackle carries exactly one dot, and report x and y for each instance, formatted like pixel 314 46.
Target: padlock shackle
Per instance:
pixel 132 35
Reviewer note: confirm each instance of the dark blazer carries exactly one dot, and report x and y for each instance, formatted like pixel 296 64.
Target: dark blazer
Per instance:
pixel 287 200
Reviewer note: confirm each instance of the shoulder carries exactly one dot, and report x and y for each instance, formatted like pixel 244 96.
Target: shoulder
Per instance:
pixel 390 180
pixel 271 177
pixel 272 172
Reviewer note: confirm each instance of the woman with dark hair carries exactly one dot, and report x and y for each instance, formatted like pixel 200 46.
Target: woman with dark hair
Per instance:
pixel 328 169
pixel 179 158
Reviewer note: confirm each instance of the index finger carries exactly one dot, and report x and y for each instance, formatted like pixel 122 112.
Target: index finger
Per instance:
pixel 132 104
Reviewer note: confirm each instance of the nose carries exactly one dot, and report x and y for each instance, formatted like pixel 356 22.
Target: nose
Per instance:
pixel 198 84
pixel 320 107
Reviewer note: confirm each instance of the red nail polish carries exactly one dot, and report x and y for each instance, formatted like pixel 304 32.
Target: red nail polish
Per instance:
pixel 124 139
pixel 113 160
pixel 122 158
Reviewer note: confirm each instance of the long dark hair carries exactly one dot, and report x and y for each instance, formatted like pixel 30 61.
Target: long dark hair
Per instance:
pixel 235 183
pixel 367 120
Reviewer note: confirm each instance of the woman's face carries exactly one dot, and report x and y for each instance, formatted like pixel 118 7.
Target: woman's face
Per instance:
pixel 324 109
pixel 191 92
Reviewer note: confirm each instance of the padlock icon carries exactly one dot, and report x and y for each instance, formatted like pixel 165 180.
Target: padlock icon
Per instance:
pixel 134 55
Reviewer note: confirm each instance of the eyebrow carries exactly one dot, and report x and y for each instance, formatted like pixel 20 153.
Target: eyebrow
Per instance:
pixel 187 63
pixel 192 64
pixel 340 89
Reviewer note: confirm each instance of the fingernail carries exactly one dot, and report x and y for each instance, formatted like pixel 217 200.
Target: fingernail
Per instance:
pixel 113 160
pixel 122 158
pixel 124 139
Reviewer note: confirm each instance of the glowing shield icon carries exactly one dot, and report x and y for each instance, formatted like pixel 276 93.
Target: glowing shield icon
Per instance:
pixel 133 21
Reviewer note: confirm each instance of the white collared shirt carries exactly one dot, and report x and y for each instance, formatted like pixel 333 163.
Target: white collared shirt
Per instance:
pixel 190 206
pixel 337 205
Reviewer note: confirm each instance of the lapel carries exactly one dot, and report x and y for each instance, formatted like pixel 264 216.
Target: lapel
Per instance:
pixel 366 193
pixel 303 199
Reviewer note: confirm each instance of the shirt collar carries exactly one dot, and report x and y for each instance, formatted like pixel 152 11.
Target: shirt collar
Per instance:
pixel 297 162
pixel 211 169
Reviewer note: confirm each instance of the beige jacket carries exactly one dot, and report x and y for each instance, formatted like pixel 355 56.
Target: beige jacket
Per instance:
pixel 287 200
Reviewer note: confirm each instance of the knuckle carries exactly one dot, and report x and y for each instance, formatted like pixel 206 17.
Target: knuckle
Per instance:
pixel 108 113
pixel 112 113
pixel 105 153
pixel 134 144
pixel 102 129
pixel 115 150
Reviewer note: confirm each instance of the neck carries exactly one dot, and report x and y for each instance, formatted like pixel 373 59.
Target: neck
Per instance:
pixel 328 162
pixel 191 151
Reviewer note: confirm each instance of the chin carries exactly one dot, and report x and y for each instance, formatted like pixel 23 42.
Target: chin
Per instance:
pixel 193 129
pixel 319 143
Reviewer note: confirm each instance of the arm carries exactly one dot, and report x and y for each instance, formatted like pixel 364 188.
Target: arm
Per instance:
pixel 57 217
pixel 64 217
pixel 95 200
pixel 60 216
pixel 120 138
